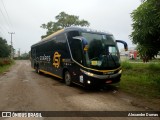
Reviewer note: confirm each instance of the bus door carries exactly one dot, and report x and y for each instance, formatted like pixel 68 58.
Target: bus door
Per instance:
pixel 76 54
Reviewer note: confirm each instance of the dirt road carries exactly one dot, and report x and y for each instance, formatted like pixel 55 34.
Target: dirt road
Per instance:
pixel 22 89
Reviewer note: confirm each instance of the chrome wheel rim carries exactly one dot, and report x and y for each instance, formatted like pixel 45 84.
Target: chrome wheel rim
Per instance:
pixel 67 79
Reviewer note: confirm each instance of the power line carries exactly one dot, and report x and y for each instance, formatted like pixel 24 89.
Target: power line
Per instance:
pixel 7 15
pixel 4 26
pixel 7 23
pixel 4 17
pixel 1 34
pixel 2 31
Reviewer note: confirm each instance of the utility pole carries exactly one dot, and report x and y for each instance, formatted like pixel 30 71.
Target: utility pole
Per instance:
pixel 11 44
pixel 19 53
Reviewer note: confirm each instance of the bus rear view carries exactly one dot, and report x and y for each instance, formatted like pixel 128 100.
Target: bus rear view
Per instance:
pixel 92 58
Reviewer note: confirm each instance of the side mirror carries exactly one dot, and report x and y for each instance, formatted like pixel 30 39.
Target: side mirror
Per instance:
pixel 124 43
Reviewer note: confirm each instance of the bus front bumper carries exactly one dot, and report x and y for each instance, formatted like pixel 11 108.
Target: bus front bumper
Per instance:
pixel 94 79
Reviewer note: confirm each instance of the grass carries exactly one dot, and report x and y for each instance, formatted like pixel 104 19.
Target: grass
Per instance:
pixel 141 79
pixel 4 68
pixel 5 64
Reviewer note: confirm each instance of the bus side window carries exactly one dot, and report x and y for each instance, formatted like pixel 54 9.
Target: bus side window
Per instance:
pixel 76 46
pixel 61 40
pixel 33 53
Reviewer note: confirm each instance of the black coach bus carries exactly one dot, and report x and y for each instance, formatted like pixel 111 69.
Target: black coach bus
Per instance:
pixel 77 55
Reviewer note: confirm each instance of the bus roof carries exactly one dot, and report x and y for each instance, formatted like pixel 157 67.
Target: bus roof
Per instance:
pixel 70 29
pixel 85 30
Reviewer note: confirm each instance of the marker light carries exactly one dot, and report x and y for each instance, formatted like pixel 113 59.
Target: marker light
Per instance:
pixel 89 82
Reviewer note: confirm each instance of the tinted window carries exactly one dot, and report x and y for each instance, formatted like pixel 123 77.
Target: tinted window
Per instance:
pixel 76 46
pixel 61 38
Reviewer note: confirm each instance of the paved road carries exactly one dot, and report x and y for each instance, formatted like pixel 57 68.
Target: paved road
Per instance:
pixel 21 89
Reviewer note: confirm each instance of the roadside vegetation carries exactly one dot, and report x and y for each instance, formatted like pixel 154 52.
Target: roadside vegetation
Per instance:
pixel 5 64
pixel 141 79
pixel 24 56
pixel 5 54
pixel 145 29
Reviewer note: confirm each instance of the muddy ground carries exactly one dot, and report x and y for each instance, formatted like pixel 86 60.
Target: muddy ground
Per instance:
pixel 22 89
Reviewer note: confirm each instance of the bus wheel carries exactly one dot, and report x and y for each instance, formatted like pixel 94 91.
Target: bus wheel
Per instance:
pixel 38 70
pixel 67 79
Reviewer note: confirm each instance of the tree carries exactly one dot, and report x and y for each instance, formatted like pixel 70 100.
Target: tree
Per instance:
pixel 146 28
pixel 63 20
pixel 4 48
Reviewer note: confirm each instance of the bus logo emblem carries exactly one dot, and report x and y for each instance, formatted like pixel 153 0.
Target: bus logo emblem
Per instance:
pixel 56 59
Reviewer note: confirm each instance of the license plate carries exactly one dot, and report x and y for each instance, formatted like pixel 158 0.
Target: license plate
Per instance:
pixel 109 81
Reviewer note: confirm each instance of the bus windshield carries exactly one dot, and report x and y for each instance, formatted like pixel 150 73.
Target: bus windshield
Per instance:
pixel 102 52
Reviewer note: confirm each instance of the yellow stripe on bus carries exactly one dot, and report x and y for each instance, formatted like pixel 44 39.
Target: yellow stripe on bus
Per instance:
pixel 51 74
pixel 95 69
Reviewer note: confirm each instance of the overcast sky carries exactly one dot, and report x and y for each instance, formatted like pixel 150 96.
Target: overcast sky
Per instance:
pixel 26 17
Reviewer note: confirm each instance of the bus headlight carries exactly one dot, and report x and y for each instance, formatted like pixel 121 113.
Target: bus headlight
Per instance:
pixel 88 81
pixel 120 72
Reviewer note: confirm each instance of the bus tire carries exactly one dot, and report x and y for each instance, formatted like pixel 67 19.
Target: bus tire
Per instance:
pixel 67 78
pixel 38 70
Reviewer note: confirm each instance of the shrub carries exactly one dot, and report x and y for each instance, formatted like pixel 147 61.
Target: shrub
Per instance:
pixel 5 61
